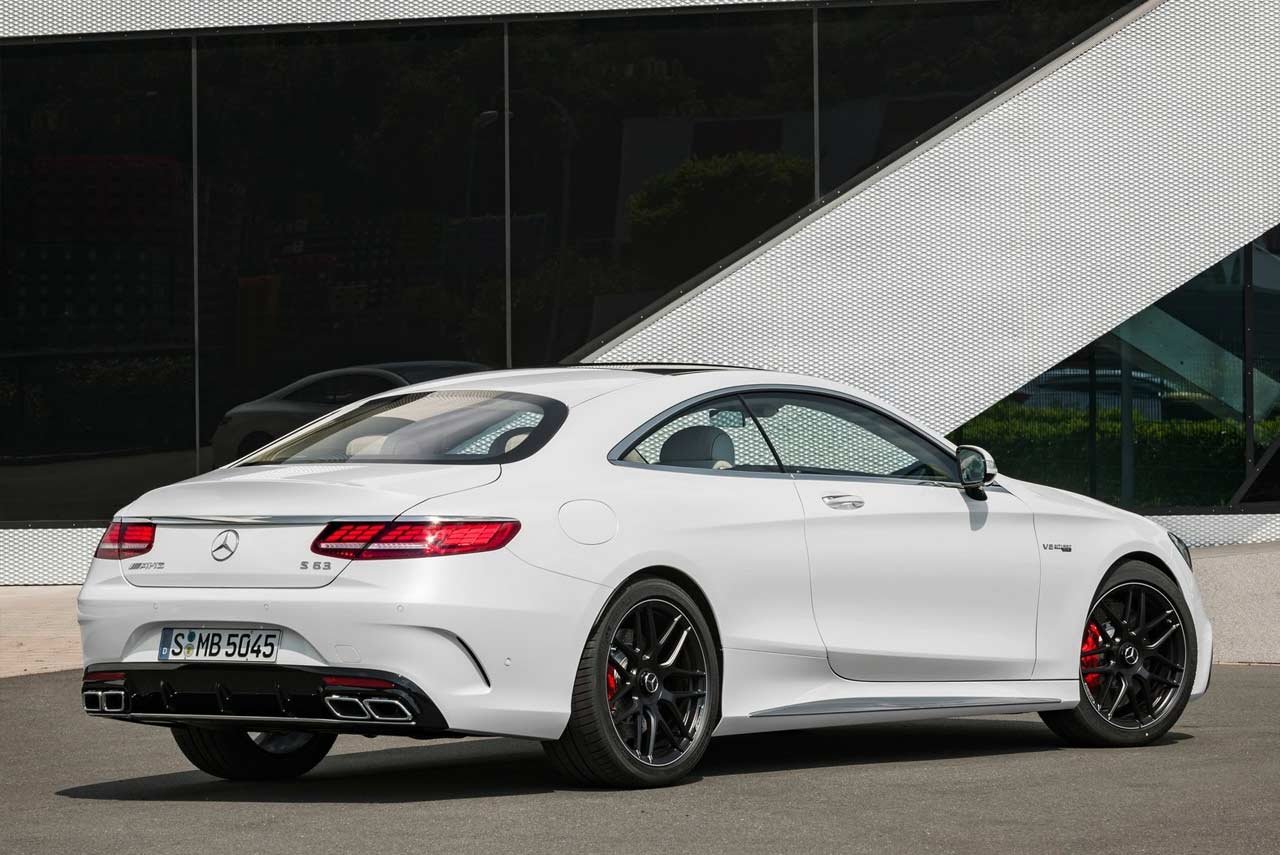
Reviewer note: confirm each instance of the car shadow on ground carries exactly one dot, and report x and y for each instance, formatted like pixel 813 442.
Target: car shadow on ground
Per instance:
pixel 485 768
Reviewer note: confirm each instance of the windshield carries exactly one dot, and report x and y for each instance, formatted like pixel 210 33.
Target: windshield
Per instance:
pixel 447 426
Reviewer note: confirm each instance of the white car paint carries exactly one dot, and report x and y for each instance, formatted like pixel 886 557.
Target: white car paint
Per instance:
pixel 917 604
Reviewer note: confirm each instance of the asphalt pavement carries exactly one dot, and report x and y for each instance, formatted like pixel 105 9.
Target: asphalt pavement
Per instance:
pixel 1001 784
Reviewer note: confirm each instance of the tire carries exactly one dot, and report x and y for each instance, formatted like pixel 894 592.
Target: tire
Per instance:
pixel 238 755
pixel 1125 703
pixel 665 710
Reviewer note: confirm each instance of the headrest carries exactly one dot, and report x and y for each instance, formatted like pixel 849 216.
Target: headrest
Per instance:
pixel 508 440
pixel 700 446
pixel 366 445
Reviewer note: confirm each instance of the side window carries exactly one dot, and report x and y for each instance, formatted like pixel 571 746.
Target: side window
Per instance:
pixel 818 435
pixel 717 435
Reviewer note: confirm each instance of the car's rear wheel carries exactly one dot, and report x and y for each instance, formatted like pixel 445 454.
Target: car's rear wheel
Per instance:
pixel 1137 662
pixel 240 755
pixel 647 692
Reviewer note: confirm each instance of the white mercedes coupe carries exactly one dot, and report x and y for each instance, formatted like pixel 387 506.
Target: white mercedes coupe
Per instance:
pixel 622 562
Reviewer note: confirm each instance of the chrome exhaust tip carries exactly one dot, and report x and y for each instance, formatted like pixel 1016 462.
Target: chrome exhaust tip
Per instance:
pixel 346 707
pixel 387 709
pixel 113 701
pixel 93 701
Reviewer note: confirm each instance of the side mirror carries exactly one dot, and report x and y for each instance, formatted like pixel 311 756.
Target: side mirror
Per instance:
pixel 977 468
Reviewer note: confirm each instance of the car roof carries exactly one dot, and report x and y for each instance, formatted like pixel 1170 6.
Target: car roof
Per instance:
pixel 574 384
pixel 571 385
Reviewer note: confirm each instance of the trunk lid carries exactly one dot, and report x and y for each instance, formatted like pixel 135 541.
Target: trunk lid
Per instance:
pixel 252 527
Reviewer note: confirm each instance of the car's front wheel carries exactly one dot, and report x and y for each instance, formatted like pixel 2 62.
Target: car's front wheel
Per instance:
pixel 647 692
pixel 240 755
pixel 1137 662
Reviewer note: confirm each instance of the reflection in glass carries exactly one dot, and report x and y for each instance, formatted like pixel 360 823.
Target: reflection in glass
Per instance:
pixel 642 151
pixel 96 368
pixel 1265 297
pixel 891 72
pixel 1150 415
pixel 249 426
pixel 1266 333
pixel 352 216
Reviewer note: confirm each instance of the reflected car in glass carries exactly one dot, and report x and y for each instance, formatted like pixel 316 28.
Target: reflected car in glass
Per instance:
pixel 249 426
pixel 622 562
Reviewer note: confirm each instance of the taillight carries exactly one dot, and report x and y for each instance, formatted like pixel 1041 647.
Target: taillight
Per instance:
pixel 361 541
pixel 346 539
pixel 125 540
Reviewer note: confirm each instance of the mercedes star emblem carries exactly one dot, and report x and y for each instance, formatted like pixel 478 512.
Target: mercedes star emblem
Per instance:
pixel 224 545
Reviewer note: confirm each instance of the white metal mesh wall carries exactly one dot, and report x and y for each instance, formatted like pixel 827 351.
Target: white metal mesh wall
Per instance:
pixel 967 268
pixel 46 556
pixel 27 18
pixel 1223 529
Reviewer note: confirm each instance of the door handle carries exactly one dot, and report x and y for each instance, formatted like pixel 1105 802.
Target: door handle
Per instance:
pixel 843 502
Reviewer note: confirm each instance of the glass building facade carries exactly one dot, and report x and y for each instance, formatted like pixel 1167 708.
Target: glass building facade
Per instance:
pixel 207 240
pixel 1177 409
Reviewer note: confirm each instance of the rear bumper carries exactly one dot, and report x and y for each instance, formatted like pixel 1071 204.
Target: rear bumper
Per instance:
pixel 492 641
pixel 262 697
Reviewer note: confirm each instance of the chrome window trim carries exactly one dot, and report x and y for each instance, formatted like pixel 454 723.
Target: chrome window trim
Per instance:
pixel 621 448
pixel 666 467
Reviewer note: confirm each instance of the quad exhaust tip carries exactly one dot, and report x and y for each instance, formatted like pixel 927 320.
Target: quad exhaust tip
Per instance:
pixel 357 709
pixel 387 709
pixel 345 707
pixel 109 701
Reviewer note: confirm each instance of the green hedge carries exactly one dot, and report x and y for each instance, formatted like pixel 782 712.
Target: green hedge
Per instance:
pixel 1176 461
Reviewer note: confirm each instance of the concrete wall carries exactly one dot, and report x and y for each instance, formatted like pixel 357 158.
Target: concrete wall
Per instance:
pixel 1241 586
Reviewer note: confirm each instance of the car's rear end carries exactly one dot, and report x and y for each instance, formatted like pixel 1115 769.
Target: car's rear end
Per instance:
pixel 321 585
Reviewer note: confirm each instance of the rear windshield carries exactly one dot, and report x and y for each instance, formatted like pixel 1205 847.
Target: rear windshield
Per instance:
pixel 446 426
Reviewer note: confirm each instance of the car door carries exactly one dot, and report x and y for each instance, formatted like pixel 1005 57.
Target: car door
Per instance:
pixel 913 579
pixel 716 504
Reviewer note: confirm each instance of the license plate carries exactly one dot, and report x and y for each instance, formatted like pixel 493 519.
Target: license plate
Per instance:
pixel 219 645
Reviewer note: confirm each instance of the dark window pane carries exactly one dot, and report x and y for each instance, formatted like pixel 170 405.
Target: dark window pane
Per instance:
pixel 1042 431
pixel 1167 393
pixel 1266 368
pixel 1266 337
pixel 642 151
pixel 890 73
pixel 351 213
pixel 97 392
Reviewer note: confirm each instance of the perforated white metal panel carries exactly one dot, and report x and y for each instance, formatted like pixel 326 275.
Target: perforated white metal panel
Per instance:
pixel 46 556
pixel 967 268
pixel 1223 529
pixel 28 18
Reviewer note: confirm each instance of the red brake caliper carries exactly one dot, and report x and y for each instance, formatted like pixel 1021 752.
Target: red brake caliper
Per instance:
pixel 1092 641
pixel 611 681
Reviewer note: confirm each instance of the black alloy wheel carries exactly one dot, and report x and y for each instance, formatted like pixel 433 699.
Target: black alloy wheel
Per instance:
pixel 1133 656
pixel 647 693
pixel 1137 662
pixel 656 682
